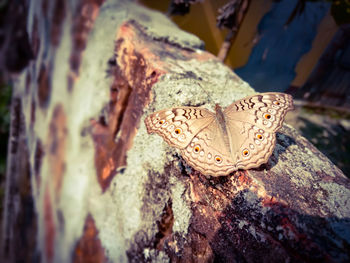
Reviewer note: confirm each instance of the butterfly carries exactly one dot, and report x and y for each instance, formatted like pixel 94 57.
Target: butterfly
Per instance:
pixel 241 136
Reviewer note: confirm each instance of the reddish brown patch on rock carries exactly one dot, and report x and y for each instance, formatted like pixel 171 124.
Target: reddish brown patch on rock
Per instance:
pixel 57 147
pixel 89 248
pixel 165 227
pixel 158 49
pixel 59 13
pixel 104 132
pixel 134 77
pixel 104 149
pixel 84 19
pixel 204 224
pixel 242 178
pixel 49 226
pixel 44 85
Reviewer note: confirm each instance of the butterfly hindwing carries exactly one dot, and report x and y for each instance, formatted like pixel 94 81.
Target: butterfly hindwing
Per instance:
pixel 252 145
pixel 208 152
pixel 211 155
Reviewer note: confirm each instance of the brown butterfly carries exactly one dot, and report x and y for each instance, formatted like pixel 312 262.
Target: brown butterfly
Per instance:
pixel 242 136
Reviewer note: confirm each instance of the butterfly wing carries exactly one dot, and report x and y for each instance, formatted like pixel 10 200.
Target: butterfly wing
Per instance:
pixel 252 146
pixel 208 151
pixel 265 110
pixel 251 124
pixel 178 126
pixel 247 141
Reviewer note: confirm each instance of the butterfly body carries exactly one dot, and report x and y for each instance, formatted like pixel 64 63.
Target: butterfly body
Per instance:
pixel 242 136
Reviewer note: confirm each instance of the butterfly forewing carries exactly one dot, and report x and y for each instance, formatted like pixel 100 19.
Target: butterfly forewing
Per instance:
pixel 178 126
pixel 266 110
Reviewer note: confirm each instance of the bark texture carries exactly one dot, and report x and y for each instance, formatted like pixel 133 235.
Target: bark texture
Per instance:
pixel 96 187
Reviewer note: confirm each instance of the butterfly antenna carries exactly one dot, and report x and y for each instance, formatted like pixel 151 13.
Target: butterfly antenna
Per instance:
pixel 211 100
pixel 226 80
pixel 205 91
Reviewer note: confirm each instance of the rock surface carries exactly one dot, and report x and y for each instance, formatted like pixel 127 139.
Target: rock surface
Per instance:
pixel 97 187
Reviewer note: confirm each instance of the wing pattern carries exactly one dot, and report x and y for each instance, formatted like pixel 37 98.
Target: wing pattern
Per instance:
pixel 243 138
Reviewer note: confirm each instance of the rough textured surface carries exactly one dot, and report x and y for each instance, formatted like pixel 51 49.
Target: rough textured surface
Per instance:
pixel 327 129
pixel 102 187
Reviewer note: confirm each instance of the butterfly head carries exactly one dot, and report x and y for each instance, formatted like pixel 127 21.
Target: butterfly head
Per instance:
pixel 218 108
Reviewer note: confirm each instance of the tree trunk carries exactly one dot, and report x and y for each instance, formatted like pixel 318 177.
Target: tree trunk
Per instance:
pixel 86 183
